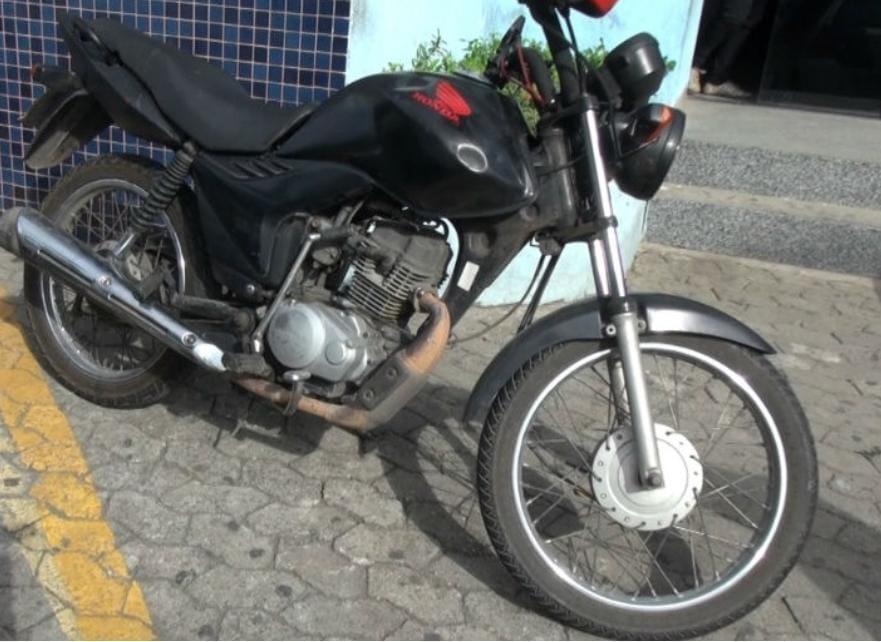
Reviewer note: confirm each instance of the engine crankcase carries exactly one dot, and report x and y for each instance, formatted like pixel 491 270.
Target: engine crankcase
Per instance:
pixel 329 343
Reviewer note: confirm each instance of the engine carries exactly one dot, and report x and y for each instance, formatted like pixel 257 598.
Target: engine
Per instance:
pixel 344 343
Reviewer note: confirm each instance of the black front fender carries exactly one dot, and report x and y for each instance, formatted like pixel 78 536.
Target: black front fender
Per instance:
pixel 663 314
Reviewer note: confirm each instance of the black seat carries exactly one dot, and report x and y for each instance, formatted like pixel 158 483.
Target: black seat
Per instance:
pixel 200 98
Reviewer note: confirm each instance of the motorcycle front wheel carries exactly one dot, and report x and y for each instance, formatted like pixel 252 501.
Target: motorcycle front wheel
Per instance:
pixel 557 480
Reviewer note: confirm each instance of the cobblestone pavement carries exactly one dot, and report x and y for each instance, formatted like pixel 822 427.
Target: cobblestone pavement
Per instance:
pixel 292 530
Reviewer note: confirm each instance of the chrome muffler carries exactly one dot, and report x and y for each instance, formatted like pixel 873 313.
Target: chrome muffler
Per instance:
pixel 29 235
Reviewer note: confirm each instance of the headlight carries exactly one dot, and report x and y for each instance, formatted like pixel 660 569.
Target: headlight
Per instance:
pixel 637 68
pixel 647 143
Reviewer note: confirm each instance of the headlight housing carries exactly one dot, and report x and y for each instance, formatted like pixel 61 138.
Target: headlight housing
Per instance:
pixel 633 72
pixel 646 142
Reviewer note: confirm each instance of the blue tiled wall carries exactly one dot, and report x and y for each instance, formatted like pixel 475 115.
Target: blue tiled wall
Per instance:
pixel 287 51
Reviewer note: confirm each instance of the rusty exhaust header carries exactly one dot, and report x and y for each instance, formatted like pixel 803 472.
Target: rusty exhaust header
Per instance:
pixel 409 367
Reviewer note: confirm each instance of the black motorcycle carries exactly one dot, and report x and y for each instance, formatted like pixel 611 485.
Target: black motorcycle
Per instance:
pixel 643 470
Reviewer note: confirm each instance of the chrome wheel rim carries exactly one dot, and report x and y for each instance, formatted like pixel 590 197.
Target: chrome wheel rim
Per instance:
pixel 97 215
pixel 718 544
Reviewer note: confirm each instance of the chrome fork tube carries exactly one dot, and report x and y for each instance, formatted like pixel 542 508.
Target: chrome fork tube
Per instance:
pixel 608 267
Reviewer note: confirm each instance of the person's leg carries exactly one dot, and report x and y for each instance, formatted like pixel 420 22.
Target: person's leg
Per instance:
pixel 735 29
pixel 712 34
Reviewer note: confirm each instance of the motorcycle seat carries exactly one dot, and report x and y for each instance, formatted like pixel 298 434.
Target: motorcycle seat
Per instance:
pixel 201 99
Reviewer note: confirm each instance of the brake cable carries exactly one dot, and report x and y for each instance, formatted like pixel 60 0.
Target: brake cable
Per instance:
pixel 455 340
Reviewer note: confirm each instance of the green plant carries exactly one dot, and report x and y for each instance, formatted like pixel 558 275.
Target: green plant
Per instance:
pixel 435 56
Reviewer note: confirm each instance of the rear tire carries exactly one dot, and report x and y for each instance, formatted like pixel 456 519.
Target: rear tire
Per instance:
pixel 56 351
pixel 501 453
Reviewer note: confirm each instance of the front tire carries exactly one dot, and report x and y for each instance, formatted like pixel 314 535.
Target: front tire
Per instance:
pixel 574 553
pixel 81 346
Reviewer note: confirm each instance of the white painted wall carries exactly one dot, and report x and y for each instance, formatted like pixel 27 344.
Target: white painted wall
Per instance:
pixel 385 31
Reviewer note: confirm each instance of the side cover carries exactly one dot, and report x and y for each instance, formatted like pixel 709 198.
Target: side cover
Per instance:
pixel 663 314
pixel 443 145
pixel 248 207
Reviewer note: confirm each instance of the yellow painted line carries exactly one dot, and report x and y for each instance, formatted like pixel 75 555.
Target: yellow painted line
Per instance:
pixel 60 525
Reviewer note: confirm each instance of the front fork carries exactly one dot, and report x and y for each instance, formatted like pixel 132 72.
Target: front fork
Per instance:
pixel 627 375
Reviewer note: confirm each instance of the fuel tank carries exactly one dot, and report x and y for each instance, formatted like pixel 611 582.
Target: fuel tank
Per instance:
pixel 443 145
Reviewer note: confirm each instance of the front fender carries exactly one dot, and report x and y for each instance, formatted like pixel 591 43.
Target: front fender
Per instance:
pixel 662 313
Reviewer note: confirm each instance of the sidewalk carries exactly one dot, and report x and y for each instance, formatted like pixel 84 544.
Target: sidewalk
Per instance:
pixel 781 185
pixel 292 530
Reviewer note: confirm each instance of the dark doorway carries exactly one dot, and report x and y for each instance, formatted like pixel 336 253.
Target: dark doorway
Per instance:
pixel 826 54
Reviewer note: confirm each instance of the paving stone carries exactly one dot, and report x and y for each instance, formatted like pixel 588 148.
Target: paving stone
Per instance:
pixel 48 629
pixel 228 588
pixel 364 501
pixel 163 478
pixel 827 619
pixel 183 617
pixel 196 497
pixel 325 464
pixel 147 518
pixel 357 619
pixel 473 573
pixel 118 474
pixel 302 524
pixel 366 545
pixel 428 602
pixel 127 442
pixel 495 612
pixel 856 486
pixel 241 624
pixel 857 537
pixel 282 482
pixel 14 568
pixel 254 443
pixel 335 440
pixel 459 528
pixel 424 486
pixel 324 569
pixel 204 462
pixel 235 543
pixel 864 602
pixel 22 607
pixel 180 564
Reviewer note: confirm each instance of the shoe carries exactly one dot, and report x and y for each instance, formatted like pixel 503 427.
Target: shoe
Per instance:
pixel 725 90
pixel 694 81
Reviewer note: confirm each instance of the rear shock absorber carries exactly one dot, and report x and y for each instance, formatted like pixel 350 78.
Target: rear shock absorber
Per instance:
pixel 164 190
pixel 148 217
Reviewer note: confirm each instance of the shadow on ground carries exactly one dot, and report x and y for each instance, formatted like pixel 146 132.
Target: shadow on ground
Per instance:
pixel 7 622
pixel 443 445
pixel 430 443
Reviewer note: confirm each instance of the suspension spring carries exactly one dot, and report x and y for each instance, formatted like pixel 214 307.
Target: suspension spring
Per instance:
pixel 164 190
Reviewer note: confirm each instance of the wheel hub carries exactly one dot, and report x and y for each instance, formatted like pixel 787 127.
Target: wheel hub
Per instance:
pixel 616 480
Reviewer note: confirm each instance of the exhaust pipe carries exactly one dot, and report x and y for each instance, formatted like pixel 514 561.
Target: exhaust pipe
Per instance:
pixel 29 235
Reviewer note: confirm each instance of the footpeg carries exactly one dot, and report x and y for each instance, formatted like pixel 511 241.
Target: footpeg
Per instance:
pixel 247 365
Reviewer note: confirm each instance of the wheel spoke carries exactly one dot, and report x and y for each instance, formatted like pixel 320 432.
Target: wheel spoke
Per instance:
pixel 97 215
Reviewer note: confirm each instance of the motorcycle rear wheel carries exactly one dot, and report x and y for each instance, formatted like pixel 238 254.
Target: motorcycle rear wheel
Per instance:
pixel 81 345
pixel 557 487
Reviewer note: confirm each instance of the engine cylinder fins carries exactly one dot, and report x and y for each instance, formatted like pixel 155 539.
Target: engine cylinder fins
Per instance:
pixel 395 263
pixel 416 361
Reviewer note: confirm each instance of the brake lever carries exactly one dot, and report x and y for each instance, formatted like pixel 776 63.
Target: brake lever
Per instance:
pixel 496 69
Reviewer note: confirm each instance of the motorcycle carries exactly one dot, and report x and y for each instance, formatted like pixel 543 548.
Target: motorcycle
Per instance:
pixel 643 470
